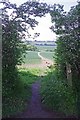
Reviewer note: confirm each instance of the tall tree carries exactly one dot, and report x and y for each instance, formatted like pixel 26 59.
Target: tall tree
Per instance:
pixel 67 27
pixel 14 27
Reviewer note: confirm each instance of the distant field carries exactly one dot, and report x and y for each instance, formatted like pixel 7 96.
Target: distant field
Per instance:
pixel 45 47
pixel 32 58
pixel 48 55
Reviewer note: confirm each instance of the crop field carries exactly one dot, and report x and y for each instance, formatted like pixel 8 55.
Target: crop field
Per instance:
pixel 32 58
pixel 48 55
pixel 45 48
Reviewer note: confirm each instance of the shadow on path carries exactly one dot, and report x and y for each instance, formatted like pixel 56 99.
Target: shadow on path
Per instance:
pixel 35 109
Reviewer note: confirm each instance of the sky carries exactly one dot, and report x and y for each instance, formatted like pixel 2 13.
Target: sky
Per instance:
pixel 45 22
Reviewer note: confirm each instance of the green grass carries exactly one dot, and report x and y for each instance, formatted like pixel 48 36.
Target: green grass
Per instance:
pixel 44 48
pixel 17 99
pixel 57 95
pixel 48 55
pixel 32 58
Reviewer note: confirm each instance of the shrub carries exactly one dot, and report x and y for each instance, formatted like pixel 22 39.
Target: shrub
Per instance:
pixel 57 95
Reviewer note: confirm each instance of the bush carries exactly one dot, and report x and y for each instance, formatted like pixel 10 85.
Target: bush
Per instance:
pixel 57 95
pixel 16 98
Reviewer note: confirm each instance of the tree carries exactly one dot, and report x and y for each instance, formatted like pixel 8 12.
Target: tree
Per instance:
pixel 67 27
pixel 14 27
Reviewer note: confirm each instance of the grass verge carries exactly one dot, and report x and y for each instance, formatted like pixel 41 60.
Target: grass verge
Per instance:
pixel 17 99
pixel 57 95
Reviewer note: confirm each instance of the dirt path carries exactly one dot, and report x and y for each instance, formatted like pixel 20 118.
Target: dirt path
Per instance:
pixel 35 109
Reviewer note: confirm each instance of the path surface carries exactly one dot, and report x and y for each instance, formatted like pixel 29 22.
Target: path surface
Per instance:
pixel 35 109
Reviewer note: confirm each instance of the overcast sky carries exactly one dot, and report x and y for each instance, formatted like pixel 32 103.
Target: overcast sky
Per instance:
pixel 45 22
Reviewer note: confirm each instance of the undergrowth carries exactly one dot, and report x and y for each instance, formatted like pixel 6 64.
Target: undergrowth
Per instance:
pixel 15 100
pixel 57 95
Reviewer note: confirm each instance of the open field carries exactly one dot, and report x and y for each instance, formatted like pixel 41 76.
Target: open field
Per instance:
pixel 32 58
pixel 45 48
pixel 48 55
